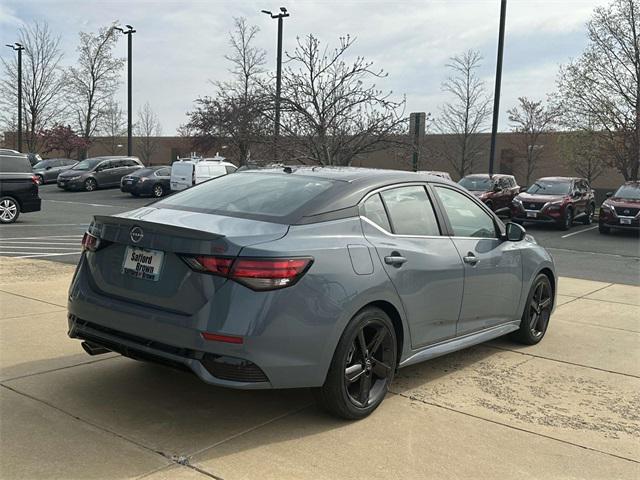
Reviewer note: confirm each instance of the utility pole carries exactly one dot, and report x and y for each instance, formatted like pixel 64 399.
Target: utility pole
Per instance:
pixel 129 34
pixel 496 94
pixel 276 130
pixel 19 48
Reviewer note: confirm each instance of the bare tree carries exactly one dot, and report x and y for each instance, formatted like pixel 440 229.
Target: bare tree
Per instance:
pixel 331 108
pixel 530 120
pixel 235 114
pixel 601 88
pixel 465 116
pixel 92 83
pixel 114 127
pixel 42 81
pixel 148 129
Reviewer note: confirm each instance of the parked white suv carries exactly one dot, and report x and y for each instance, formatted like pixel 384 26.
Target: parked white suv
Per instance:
pixel 190 171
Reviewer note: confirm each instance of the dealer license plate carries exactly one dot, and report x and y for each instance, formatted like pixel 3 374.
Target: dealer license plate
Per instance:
pixel 625 221
pixel 142 263
pixel 532 214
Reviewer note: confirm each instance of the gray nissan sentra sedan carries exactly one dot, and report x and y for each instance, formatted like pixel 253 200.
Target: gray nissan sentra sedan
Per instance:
pixel 330 278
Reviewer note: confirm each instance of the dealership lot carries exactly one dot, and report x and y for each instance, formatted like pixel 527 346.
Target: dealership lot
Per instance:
pixel 566 408
pixel 55 233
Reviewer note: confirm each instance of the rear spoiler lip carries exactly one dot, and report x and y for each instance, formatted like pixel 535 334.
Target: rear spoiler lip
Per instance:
pixel 172 230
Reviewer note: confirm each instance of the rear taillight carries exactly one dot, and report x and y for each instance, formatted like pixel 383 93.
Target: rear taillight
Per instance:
pixel 255 273
pixel 90 242
pixel 34 179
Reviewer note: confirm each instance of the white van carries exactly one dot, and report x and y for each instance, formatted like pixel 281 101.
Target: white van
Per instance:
pixel 188 172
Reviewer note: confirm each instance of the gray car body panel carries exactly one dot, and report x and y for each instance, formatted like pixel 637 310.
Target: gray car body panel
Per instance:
pixel 292 333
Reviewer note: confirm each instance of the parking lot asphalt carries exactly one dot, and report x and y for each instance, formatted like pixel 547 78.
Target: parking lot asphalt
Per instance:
pixel 566 408
pixel 55 233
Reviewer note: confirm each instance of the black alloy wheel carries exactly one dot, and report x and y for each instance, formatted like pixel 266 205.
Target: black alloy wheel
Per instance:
pixel 363 366
pixel 588 215
pixel 537 312
pixel 567 219
pixel 90 184
pixel 158 190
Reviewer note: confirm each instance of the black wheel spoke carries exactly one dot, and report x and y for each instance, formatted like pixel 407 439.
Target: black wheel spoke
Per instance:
pixel 377 341
pixel 363 344
pixel 381 369
pixel 545 303
pixel 365 389
pixel 353 372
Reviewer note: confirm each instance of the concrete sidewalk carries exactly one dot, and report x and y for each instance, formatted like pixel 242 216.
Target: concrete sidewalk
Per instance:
pixel 566 408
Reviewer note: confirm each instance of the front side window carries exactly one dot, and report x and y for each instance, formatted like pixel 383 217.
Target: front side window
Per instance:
pixel 373 209
pixel 411 211
pixel 467 218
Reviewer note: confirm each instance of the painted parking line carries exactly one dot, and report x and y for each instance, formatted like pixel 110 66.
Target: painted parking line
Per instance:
pixel 53 224
pixel 48 237
pixel 84 203
pixel 580 231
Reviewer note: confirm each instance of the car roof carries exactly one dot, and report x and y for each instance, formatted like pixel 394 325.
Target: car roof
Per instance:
pixel 560 179
pixel 486 175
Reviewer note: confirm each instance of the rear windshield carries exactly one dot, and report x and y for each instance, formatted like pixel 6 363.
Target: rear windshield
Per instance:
pixel 87 164
pixel 143 172
pixel 632 192
pixel 479 184
pixel 250 193
pixel 542 187
pixel 14 164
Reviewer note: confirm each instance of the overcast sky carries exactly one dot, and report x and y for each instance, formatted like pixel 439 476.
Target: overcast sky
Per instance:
pixel 180 45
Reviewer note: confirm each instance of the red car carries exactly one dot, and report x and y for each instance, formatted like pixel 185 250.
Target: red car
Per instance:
pixel 497 191
pixel 621 209
pixel 556 201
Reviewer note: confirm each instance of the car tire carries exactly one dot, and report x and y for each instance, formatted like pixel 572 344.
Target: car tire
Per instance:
pixel 158 190
pixel 359 376
pixel 90 184
pixel 9 210
pixel 603 229
pixel 588 218
pixel 537 312
pixel 567 219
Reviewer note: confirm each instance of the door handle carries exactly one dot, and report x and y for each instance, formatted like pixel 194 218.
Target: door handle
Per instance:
pixel 470 258
pixel 395 259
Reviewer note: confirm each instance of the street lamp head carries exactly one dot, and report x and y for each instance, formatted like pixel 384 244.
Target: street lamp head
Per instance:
pixel 129 27
pixel 19 45
pixel 119 29
pixel 267 12
pixel 283 9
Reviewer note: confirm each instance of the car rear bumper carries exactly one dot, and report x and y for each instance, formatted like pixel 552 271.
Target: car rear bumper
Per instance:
pixel 31 205
pixel 276 352
pixel 139 188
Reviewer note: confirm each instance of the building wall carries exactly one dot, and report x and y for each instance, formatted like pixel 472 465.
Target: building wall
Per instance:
pixel 509 155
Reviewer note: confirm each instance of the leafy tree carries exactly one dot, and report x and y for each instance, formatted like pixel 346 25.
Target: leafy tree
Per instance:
pixel 62 138
pixel 600 90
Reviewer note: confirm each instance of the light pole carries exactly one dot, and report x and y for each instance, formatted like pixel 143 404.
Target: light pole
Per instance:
pixel 496 94
pixel 129 32
pixel 276 131
pixel 19 48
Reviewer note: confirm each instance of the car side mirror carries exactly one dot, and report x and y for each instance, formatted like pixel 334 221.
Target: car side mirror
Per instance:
pixel 522 189
pixel 47 168
pixel 515 232
pixel 497 188
pixel 609 194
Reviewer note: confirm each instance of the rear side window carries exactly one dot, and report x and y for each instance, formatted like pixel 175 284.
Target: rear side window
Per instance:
pixel 373 209
pixel 255 194
pixel 216 171
pixel 14 164
pixel 163 172
pixel 230 169
pixel 411 211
